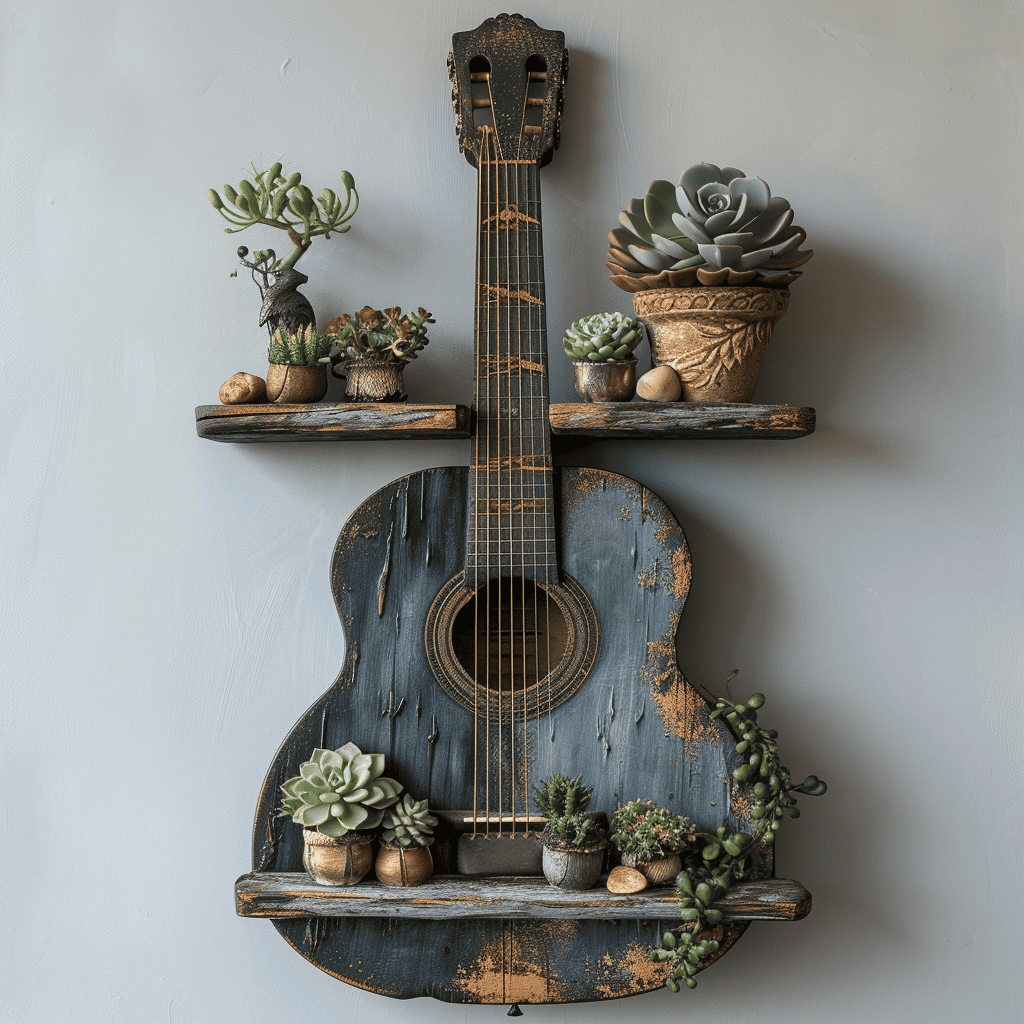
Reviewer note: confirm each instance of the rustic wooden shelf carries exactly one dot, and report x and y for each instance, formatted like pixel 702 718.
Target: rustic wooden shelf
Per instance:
pixel 679 420
pixel 401 421
pixel 293 894
pixel 348 421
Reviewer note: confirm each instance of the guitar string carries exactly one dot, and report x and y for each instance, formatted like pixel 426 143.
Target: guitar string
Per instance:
pixel 506 276
pixel 485 346
pixel 476 515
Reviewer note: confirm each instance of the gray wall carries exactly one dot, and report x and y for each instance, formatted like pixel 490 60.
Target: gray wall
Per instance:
pixel 166 612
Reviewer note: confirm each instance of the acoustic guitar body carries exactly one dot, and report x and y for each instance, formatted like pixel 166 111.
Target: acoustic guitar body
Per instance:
pixel 633 727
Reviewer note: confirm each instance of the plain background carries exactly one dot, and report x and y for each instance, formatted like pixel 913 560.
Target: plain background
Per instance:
pixel 166 614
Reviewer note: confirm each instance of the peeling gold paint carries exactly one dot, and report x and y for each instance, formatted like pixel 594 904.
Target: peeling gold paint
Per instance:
pixel 635 973
pixel 515 968
pixel 683 711
pixel 497 292
pixel 625 516
pixel 509 215
pixel 648 577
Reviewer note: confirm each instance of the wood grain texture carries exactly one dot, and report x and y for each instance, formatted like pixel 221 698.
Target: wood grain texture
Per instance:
pixel 348 421
pixel 292 894
pixel 680 420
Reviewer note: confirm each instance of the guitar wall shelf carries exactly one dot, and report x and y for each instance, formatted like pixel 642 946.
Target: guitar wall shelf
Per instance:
pixel 569 421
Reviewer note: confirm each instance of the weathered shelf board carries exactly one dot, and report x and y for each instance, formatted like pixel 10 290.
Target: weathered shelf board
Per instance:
pixel 679 420
pixel 349 421
pixel 292 894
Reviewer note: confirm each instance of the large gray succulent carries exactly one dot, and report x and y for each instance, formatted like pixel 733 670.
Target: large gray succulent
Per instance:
pixel 716 227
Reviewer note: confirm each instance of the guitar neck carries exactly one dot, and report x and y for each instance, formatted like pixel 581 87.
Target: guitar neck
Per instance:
pixel 511 524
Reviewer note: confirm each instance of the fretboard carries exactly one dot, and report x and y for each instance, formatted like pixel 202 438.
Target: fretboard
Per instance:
pixel 511 527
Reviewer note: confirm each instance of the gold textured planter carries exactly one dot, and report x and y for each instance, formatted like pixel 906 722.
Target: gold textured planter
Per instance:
pixel 299 384
pixel 714 338
pixel 333 862
pixel 660 871
pixel 367 380
pixel 605 382
pixel 397 865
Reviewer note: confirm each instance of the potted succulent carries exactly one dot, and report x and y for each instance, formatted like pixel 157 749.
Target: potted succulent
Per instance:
pixel 298 365
pixel 285 203
pixel 601 348
pixel 709 262
pixel 573 841
pixel 650 839
pixel 338 797
pixel 404 857
pixel 373 347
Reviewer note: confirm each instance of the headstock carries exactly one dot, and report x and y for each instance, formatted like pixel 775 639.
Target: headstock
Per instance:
pixel 508 73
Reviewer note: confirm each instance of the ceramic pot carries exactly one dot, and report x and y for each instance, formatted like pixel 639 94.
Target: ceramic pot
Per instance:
pixel 660 871
pixel 714 338
pixel 605 382
pixel 299 384
pixel 573 869
pixel 397 865
pixel 334 862
pixel 369 380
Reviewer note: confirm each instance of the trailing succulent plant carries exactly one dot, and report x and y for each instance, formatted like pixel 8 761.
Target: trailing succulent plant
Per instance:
pixel 339 792
pixel 715 861
pixel 285 203
pixel 408 823
pixel 716 227
pixel 602 338
pixel 303 347
pixel 642 830
pixel 772 786
pixel 381 335
pixel 563 802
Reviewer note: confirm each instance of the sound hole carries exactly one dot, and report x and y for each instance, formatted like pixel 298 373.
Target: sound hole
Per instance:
pixel 509 635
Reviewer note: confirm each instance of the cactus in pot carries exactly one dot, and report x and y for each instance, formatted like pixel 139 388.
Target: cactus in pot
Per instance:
pixel 404 857
pixel 574 841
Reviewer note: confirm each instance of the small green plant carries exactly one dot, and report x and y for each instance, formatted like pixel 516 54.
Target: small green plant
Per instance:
pixel 300 348
pixel 408 823
pixel 602 338
pixel 339 792
pixel 641 830
pixel 563 802
pixel 718 860
pixel 380 335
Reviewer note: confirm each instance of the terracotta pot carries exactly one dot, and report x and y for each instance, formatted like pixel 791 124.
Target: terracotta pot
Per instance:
pixel 573 869
pixel 334 862
pixel 605 382
pixel 660 871
pixel 302 384
pixel 369 380
pixel 397 865
pixel 714 338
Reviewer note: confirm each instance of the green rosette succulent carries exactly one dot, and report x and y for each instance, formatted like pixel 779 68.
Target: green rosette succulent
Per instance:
pixel 408 823
pixel 339 791
pixel 716 227
pixel 602 338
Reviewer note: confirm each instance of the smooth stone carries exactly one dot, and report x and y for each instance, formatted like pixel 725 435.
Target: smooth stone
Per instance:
pixel 661 384
pixel 243 389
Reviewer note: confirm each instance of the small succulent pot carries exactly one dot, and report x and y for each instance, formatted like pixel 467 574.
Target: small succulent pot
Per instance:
pixel 605 382
pixel 372 380
pixel 335 861
pixel 573 869
pixel 405 866
pixel 296 384
pixel 715 339
pixel 659 871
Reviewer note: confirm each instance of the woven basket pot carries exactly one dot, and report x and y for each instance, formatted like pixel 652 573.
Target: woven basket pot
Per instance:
pixel 370 380
pixel 333 862
pixel 660 871
pixel 299 384
pixel 714 338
